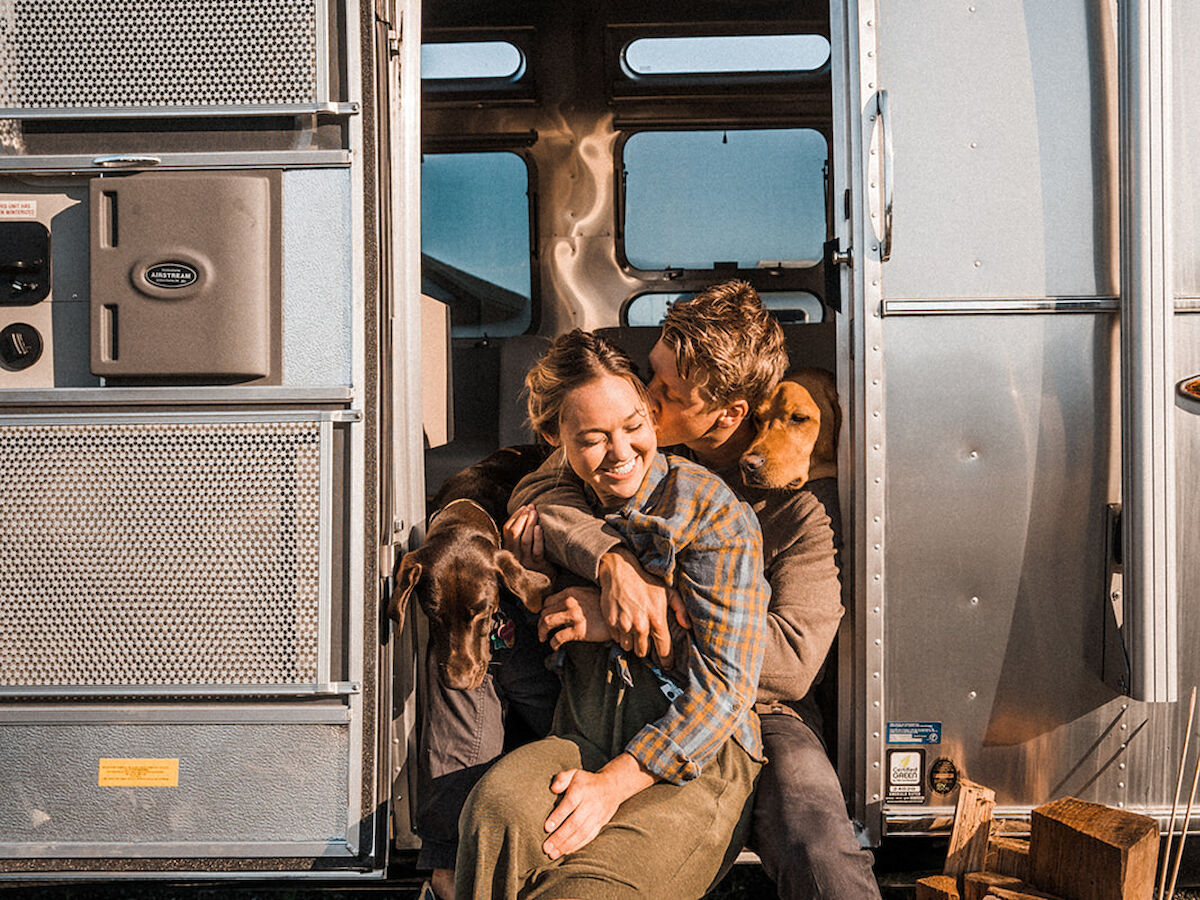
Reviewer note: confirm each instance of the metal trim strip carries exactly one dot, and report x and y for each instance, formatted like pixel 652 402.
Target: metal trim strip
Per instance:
pixel 158 112
pixel 999 306
pixel 197 714
pixel 325 417
pixel 330 688
pixel 177 849
pixel 172 396
pixel 325 550
pixel 250 159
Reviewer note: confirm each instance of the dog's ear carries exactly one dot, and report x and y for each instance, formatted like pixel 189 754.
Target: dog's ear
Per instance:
pixel 407 577
pixel 530 587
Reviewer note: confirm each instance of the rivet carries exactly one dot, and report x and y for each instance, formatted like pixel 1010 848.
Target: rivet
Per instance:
pixel 971 695
pixel 974 601
pixel 973 145
pixel 978 263
pixel 1120 765
pixel 875 764
pixel 1120 784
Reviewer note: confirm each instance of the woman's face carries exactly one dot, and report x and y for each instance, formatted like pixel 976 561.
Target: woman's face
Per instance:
pixel 605 430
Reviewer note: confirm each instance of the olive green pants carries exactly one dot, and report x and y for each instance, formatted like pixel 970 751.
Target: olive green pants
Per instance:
pixel 667 841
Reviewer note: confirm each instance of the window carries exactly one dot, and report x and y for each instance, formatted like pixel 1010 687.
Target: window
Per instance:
pixel 727 54
pixel 696 198
pixel 789 307
pixel 470 59
pixel 475 240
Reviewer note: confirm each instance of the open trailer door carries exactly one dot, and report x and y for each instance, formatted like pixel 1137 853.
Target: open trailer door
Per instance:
pixel 1009 393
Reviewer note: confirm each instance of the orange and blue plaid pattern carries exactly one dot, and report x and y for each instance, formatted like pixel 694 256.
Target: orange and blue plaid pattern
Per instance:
pixel 688 528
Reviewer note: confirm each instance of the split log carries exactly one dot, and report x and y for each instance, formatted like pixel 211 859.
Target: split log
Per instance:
pixel 1088 851
pixel 977 885
pixel 1008 856
pixel 937 887
pixel 972 823
pixel 1025 893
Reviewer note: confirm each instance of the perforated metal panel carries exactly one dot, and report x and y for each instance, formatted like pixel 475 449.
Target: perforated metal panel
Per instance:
pixel 160 554
pixel 93 54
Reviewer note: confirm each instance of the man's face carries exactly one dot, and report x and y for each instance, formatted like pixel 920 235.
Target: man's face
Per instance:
pixel 682 415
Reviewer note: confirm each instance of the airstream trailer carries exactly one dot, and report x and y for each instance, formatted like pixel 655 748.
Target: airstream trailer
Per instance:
pixel 273 270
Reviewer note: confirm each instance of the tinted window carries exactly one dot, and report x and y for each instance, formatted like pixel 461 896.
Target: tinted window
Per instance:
pixel 727 53
pixel 475 240
pixel 470 59
pixel 788 306
pixel 695 198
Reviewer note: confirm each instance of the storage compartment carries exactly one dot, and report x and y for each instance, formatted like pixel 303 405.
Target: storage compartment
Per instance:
pixel 185 277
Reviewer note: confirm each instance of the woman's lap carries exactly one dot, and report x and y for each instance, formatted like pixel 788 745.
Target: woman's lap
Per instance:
pixel 668 840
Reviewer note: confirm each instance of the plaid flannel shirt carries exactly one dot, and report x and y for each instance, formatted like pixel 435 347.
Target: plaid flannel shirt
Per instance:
pixel 688 528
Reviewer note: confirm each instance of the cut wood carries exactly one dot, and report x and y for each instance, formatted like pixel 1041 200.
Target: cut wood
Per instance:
pixel 937 887
pixel 1025 893
pixel 972 823
pixel 1087 851
pixel 976 885
pixel 1008 856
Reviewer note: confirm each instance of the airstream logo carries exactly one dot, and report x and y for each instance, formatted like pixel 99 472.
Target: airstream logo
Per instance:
pixel 172 275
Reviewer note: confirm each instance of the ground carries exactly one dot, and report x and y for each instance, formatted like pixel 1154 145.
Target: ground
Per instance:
pixel 897 865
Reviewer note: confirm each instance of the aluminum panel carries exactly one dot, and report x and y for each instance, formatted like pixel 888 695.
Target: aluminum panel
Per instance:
pixel 237 783
pixel 1185 127
pixel 1004 130
pixel 317 278
pixel 95 56
pixel 1002 455
pixel 160 554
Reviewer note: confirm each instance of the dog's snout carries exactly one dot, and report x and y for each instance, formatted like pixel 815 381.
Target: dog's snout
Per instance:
pixel 752 462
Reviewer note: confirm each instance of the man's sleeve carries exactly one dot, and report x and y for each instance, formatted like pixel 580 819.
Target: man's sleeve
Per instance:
pixel 806 599
pixel 575 537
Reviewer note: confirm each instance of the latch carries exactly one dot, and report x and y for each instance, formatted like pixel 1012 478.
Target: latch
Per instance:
pixel 24 263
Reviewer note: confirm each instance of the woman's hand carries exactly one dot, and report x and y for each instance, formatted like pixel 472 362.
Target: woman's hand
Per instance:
pixel 572 615
pixel 588 802
pixel 522 537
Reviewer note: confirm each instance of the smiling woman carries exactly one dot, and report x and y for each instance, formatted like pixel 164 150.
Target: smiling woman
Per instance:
pixel 560 813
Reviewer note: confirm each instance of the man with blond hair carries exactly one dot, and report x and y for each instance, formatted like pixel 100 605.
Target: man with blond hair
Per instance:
pixel 719 354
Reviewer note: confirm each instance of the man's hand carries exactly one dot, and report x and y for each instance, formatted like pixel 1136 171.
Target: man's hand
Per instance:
pixel 588 802
pixel 572 615
pixel 634 604
pixel 522 536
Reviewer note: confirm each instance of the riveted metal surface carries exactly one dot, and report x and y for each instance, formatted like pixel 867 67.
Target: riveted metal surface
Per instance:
pixel 159 554
pixel 62 54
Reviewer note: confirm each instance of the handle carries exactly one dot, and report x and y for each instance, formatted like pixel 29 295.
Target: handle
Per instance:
pixel 125 161
pixel 885 121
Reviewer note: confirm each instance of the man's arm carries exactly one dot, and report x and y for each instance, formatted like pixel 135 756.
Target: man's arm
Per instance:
pixel 806 604
pixel 575 538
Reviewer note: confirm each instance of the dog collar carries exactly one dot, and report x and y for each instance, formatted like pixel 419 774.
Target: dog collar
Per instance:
pixel 488 515
pixel 504 631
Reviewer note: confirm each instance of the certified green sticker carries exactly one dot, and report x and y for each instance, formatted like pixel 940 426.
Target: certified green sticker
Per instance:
pixel 943 776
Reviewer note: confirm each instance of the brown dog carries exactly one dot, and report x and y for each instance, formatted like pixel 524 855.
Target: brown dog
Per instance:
pixel 796 440
pixel 462 569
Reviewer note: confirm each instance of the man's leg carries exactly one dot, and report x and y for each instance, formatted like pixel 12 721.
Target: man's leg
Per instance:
pixel 462 733
pixel 800 827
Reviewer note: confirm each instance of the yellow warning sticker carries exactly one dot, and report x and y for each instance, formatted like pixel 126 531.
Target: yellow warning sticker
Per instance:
pixel 139 773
